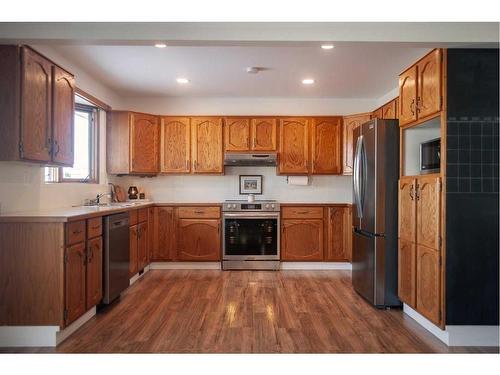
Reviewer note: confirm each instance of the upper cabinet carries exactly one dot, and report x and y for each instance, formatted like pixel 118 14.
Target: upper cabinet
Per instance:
pixel 247 134
pixel 175 145
pixel 207 145
pixel 36 108
pixel 390 110
pixel 326 145
pixel 350 123
pixel 420 89
pixel 294 146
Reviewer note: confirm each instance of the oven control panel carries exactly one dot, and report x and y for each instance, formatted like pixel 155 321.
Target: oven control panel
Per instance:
pixel 236 206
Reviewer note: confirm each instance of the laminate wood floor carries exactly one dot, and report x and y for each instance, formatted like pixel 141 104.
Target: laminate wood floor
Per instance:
pixel 210 311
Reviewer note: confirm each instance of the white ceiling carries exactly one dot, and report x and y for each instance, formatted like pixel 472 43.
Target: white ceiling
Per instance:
pixel 356 70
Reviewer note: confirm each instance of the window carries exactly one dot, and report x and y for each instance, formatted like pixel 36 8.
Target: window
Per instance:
pixel 86 148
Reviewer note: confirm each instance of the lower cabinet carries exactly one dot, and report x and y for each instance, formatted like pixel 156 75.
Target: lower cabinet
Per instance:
pixel 74 282
pixel 139 240
pixel 198 240
pixel 407 272
pixel 429 283
pixel 133 264
pixel 302 239
pixel 142 245
pixel 94 272
pixel 339 237
pixel 164 235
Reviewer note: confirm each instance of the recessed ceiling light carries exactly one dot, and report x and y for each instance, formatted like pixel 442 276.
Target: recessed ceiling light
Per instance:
pixel 182 80
pixel 160 45
pixel 308 81
pixel 328 46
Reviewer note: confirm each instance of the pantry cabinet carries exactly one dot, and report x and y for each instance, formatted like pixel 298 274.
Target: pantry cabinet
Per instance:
pixel 175 145
pixel 207 147
pixel 350 123
pixel 420 89
pixel 407 271
pixel 36 108
pixel 326 145
pixel 133 143
pixel 428 283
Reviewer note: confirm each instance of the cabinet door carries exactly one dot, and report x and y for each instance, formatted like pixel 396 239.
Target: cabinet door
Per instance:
pixel 302 240
pixel 429 84
pixel 175 145
pixel 429 211
pixel 134 256
pixel 350 123
pixel 152 239
pixel 207 145
pixel 294 146
pixel 389 110
pixel 407 271
pixel 36 111
pixel 428 283
pixel 75 282
pixel 165 234
pixel 63 99
pixel 326 142
pixel 377 113
pixel 337 240
pixel 263 133
pixel 198 240
pixel 408 96
pixel 94 272
pixel 142 245
pixel 144 143
pixel 237 134
pixel 407 209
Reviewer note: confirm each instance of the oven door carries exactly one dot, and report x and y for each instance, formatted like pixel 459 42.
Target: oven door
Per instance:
pixel 251 236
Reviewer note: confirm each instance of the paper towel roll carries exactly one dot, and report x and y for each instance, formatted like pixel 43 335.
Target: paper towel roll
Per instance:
pixel 298 180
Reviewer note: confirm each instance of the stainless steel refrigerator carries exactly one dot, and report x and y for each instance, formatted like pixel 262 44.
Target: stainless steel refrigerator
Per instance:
pixel 375 211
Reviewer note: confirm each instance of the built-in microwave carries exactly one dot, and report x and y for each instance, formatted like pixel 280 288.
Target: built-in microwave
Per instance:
pixel 430 156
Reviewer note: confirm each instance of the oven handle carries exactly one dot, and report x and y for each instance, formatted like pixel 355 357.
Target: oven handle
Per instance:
pixel 252 215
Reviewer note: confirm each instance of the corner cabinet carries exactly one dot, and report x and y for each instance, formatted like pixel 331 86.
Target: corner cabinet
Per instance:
pixel 419 242
pixel 350 123
pixel 36 108
pixel 421 89
pixel 207 145
pixel 133 143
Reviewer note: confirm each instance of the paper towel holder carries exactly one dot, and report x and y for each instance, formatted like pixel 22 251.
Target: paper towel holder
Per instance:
pixel 288 177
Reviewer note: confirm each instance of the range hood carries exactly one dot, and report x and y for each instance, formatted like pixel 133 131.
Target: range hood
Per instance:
pixel 247 159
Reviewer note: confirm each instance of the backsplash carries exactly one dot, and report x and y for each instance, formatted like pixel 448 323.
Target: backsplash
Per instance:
pixel 472 155
pixel 206 188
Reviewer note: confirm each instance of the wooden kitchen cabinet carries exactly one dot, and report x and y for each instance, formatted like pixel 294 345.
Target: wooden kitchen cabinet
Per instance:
pixel 326 145
pixel 207 145
pixel 263 134
pixel 175 145
pixel 164 234
pixel 389 110
pixel 139 240
pixel 142 245
pixel 407 271
pixel 350 123
pixel 407 207
pixel 133 250
pixel 75 288
pixel 133 143
pixel 198 240
pixel 94 272
pixel 428 283
pixel 302 240
pixel 338 247
pixel 420 89
pixel 377 114
pixel 36 108
pixel 294 146
pixel 237 134
pixel 428 199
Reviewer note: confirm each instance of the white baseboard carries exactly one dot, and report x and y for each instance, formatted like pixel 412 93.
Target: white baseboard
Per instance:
pixel 27 336
pixel 138 275
pixel 315 266
pixel 185 266
pixel 458 335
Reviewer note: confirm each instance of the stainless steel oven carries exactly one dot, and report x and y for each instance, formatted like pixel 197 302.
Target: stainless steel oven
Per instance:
pixel 251 235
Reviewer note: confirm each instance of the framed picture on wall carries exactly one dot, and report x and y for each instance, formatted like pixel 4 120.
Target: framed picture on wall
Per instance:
pixel 250 184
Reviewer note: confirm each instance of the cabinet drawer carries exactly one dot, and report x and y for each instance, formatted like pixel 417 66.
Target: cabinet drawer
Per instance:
pixel 142 215
pixel 198 212
pixel 133 216
pixel 302 212
pixel 94 227
pixel 75 232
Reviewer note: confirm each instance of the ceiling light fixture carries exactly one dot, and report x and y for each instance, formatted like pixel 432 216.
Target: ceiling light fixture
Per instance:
pixel 160 45
pixel 182 81
pixel 328 46
pixel 308 81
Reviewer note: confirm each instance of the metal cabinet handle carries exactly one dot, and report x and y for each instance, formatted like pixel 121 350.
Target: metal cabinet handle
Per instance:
pixel 412 106
pixel 199 212
pixel 419 104
pixel 411 192
pixel 77 231
pixel 303 212
pixel 417 192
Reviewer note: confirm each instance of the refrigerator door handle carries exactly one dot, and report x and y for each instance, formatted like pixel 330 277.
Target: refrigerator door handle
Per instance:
pixel 356 176
pixel 363 175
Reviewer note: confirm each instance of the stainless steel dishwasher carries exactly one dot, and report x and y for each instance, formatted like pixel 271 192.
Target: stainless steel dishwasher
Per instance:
pixel 116 256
